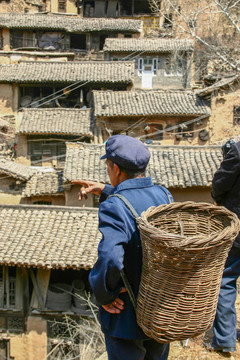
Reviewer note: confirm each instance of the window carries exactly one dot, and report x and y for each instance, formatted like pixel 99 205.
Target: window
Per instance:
pixel 5 349
pixel 147 64
pixel 78 42
pixel 192 24
pixel 48 151
pixel 167 21
pixel 62 5
pixel 22 39
pixel 141 7
pixel 7 287
pixel 236 115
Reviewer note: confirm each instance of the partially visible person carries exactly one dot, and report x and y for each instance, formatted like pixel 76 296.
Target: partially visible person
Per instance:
pixel 226 192
pixel 120 247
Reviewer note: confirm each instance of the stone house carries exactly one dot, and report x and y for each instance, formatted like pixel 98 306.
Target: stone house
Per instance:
pixel 224 121
pixel 44 188
pixel 171 117
pixel 27 82
pixel 45 258
pixel 13 179
pixel 42 134
pixel 60 37
pixel 187 171
pixel 159 63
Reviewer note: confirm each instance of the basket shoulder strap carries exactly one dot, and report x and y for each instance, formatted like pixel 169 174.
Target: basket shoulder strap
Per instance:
pixel 123 274
pixel 127 203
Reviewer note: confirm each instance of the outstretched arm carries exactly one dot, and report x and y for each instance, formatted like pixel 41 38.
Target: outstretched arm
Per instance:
pixel 87 187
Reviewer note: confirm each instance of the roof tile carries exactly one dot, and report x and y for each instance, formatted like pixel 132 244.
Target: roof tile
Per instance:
pixel 68 72
pixel 171 166
pixel 156 45
pixel 67 23
pixel 33 236
pixel 56 121
pixel 151 102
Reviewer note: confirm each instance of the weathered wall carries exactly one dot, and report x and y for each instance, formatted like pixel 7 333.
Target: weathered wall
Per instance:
pixel 33 344
pixel 22 150
pixel 117 124
pixel 221 120
pixel 6 99
pixel 196 194
pixel 10 198
pixel 72 198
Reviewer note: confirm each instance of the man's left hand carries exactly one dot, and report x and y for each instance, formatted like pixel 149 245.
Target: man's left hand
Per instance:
pixel 116 306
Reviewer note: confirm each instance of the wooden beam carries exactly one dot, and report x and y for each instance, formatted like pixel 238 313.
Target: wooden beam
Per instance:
pixel 37 289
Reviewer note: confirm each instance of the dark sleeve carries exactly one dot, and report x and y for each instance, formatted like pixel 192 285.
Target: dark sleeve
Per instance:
pixel 105 277
pixel 106 192
pixel 226 176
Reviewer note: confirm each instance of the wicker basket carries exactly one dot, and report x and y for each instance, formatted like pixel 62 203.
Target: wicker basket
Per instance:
pixel 185 246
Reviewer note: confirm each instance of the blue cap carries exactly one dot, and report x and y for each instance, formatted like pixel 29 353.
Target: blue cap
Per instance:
pixel 127 152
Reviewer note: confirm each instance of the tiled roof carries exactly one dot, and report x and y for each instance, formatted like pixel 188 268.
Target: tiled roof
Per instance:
pixel 171 166
pixel 16 170
pixel 68 72
pixel 49 237
pixel 44 183
pixel 219 84
pixel 148 45
pixel 131 103
pixel 83 162
pixel 56 121
pixel 68 23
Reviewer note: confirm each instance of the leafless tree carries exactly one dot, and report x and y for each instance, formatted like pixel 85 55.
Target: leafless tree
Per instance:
pixel 213 24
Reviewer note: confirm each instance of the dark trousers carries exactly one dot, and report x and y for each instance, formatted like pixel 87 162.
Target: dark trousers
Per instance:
pixel 225 324
pixel 124 349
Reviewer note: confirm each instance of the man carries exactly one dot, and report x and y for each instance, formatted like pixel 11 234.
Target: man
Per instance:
pixel 226 192
pixel 120 248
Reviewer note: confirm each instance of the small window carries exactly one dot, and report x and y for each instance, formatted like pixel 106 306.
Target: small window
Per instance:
pixel 236 115
pixel 147 64
pixel 167 21
pixel 192 24
pixel 5 349
pixel 62 5
pixel 8 287
pixel 155 66
pixel 140 66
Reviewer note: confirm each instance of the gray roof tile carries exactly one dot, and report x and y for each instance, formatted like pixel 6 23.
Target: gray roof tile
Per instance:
pixel 44 183
pixel 68 72
pixel 16 170
pixel 49 237
pixel 56 121
pixel 171 166
pixel 133 103
pixel 67 23
pixel 156 45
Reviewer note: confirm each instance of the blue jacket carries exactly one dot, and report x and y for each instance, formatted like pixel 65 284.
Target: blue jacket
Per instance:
pixel 226 183
pixel 120 248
